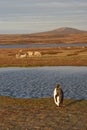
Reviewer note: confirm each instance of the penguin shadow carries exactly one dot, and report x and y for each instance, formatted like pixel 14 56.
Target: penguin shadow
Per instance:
pixel 70 103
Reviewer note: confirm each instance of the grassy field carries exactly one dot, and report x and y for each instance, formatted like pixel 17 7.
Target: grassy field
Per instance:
pixel 46 37
pixel 59 56
pixel 42 114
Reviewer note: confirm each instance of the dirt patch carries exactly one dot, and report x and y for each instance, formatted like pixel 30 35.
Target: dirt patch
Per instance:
pixel 42 114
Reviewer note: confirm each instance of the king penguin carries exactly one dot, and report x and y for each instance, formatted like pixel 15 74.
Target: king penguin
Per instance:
pixel 58 95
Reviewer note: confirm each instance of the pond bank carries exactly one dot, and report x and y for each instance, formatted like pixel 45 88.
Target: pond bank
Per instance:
pixel 42 114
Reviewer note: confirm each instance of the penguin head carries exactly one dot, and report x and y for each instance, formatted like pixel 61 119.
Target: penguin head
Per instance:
pixel 58 87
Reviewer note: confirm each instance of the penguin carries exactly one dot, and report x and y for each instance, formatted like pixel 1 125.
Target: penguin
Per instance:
pixel 58 95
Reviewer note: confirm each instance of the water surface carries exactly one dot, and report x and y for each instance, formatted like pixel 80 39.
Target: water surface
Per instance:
pixel 41 45
pixel 39 82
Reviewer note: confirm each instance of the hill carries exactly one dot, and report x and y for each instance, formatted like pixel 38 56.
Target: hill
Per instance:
pixel 63 30
pixel 61 35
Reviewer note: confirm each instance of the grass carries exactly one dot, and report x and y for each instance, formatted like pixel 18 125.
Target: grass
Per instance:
pixel 64 56
pixel 43 38
pixel 42 114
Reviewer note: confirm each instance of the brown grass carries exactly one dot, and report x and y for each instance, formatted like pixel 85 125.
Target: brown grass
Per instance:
pixel 43 38
pixel 59 56
pixel 42 114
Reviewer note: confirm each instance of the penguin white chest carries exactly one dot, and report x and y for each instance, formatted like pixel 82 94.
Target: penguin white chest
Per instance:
pixel 56 98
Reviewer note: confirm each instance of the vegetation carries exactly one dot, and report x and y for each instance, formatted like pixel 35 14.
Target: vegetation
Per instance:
pixel 42 114
pixel 59 56
pixel 61 35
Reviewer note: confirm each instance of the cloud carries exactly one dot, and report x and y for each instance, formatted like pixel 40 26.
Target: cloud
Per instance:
pixel 40 15
pixel 41 7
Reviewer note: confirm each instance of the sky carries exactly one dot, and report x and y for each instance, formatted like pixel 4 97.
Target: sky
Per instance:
pixel 31 16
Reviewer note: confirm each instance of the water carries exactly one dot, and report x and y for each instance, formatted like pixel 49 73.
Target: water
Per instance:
pixel 37 82
pixel 40 45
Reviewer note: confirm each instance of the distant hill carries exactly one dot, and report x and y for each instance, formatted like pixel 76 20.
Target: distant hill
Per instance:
pixel 63 30
pixel 66 30
pixel 60 35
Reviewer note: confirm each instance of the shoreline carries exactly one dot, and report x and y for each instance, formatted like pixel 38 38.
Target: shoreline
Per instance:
pixel 36 98
pixel 42 113
pixel 25 66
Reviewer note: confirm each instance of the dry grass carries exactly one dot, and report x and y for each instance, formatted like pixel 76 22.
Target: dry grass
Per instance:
pixel 59 56
pixel 43 38
pixel 42 114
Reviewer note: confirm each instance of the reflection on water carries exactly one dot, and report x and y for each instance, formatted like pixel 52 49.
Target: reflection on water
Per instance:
pixel 41 45
pixel 39 82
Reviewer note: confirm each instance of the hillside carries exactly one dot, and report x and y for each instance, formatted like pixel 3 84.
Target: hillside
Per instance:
pixel 61 35
pixel 62 31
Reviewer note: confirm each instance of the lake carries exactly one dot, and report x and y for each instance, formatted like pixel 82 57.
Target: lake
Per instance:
pixel 40 45
pixel 39 82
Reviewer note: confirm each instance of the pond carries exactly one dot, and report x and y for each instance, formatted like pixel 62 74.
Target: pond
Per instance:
pixel 39 82
pixel 41 45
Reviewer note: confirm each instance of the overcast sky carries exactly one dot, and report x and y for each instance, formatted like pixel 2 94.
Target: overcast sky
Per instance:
pixel 30 16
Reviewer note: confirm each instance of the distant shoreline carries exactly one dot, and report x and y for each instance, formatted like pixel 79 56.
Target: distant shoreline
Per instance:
pixel 42 45
pixel 57 56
